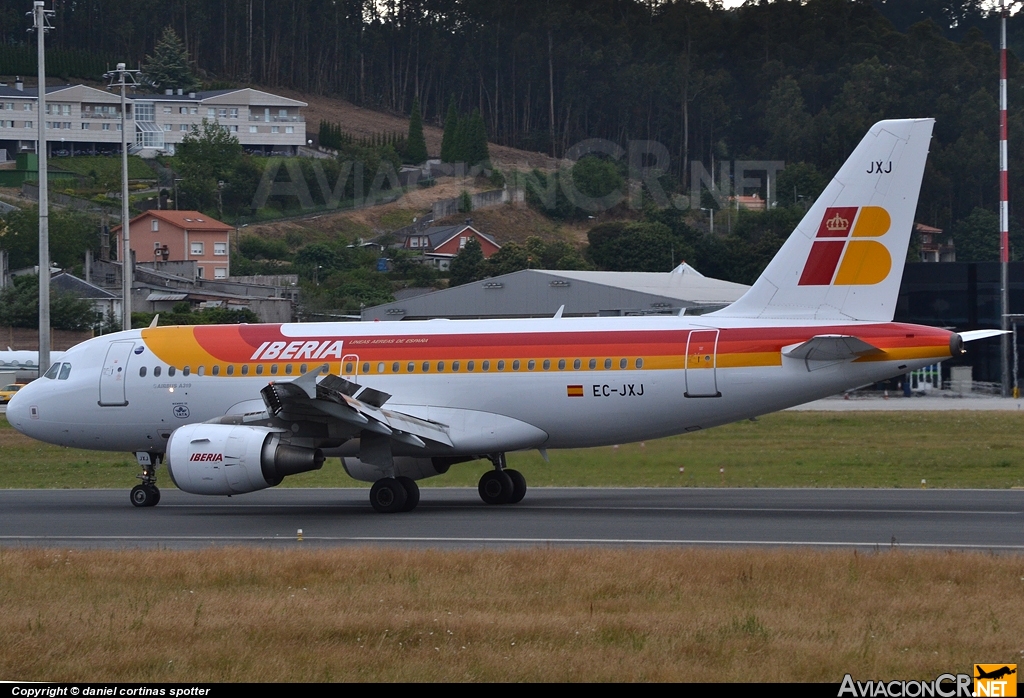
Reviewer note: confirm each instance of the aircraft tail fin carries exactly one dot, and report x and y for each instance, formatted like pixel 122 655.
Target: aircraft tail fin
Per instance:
pixel 845 259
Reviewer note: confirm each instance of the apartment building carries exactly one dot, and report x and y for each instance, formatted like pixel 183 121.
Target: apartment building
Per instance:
pixel 84 120
pixel 174 236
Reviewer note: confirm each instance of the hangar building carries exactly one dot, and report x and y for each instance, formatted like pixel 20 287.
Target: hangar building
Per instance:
pixel 540 292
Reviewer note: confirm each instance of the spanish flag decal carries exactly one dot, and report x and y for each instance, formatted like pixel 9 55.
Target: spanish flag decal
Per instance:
pixel 574 390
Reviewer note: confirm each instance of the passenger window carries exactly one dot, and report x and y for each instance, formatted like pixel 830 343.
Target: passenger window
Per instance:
pixel 245 369
pixel 259 369
pixel 455 366
pixel 607 363
pixel 380 367
pixel 515 365
pixel 366 367
pixel 531 365
pixel 501 365
pixel 288 369
pixel 325 369
pixel 440 366
pixel 426 366
pixel 216 370
pixel 156 371
pixel 623 363
pixel 65 371
pixel 201 370
pixel 411 368
pixel 303 368
pixel 142 372
pixel 547 365
pixel 469 366
pixel 576 364
pixel 171 370
pixel 593 364
pixel 348 367
pixel 273 369
pixel 231 370
pixel 561 364
pixel 396 367
pixel 487 365
pixel 186 371
pixel 639 363
pixel 51 372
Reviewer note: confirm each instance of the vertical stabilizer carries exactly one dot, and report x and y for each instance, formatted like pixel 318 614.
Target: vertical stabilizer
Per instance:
pixel 845 259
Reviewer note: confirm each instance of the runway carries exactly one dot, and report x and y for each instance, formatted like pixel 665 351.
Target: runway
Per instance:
pixel 455 518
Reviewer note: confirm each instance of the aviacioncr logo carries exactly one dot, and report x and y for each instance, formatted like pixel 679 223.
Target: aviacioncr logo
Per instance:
pixel 841 256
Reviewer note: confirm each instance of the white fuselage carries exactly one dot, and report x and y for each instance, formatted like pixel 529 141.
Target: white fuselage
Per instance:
pixel 655 384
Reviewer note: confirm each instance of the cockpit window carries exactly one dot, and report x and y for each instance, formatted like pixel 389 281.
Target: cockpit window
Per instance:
pixel 52 372
pixel 65 371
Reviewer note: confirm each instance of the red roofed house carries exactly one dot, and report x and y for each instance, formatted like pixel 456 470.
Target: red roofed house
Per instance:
pixel 441 244
pixel 174 236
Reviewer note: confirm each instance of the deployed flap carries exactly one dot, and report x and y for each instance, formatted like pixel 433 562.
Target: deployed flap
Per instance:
pixel 831 347
pixel 332 396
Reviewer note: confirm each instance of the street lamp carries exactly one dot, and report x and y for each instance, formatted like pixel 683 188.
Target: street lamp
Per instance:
pixel 120 77
pixel 711 212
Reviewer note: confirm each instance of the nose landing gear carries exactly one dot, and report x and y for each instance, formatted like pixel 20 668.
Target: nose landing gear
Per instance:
pixel 146 494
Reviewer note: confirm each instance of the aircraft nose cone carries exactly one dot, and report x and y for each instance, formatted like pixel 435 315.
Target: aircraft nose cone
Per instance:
pixel 18 410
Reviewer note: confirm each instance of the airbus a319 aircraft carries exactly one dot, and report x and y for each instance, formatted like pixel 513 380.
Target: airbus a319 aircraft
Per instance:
pixel 234 409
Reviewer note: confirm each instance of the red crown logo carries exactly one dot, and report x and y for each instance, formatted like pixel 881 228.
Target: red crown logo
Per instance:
pixel 837 223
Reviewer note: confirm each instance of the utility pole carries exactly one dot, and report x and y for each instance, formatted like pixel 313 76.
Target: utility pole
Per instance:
pixel 1004 210
pixel 122 78
pixel 40 25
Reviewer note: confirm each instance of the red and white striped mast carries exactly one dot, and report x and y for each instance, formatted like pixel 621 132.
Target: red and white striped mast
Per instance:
pixel 1004 206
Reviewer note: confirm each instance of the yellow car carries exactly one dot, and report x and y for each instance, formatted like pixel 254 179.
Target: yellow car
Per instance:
pixel 7 392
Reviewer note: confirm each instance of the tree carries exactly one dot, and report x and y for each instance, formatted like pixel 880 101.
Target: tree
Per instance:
pixel 19 307
pixel 468 264
pixel 168 67
pixel 451 125
pixel 475 146
pixel 416 146
pixel 207 156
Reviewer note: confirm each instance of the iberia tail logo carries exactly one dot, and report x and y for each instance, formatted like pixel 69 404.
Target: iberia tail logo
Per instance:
pixel 841 255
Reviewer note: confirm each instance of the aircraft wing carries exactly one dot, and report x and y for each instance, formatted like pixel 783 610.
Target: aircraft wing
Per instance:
pixel 356 406
pixel 831 347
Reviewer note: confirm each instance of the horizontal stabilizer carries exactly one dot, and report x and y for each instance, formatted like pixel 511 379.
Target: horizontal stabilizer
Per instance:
pixel 972 335
pixel 831 347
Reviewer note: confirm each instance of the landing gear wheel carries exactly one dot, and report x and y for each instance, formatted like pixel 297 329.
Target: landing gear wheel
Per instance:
pixel 518 486
pixel 496 487
pixel 412 492
pixel 145 496
pixel 387 495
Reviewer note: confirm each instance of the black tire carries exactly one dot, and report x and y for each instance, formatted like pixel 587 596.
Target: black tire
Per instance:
pixel 387 495
pixel 495 487
pixel 412 492
pixel 156 496
pixel 144 496
pixel 518 486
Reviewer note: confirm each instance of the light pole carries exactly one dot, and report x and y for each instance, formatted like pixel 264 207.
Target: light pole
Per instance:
pixel 41 24
pixel 711 212
pixel 120 77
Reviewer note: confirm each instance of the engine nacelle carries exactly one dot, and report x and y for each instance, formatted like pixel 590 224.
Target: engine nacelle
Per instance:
pixel 234 459
pixel 415 468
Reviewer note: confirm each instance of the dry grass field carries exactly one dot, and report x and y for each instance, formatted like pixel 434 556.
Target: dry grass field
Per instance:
pixel 516 615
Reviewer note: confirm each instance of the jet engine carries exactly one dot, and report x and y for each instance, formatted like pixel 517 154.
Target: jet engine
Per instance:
pixel 233 459
pixel 414 468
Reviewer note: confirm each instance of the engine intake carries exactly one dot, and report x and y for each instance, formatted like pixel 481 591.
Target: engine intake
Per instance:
pixel 228 459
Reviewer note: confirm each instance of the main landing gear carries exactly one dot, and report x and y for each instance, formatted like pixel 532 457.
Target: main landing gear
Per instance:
pixel 390 495
pixel 502 485
pixel 146 494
